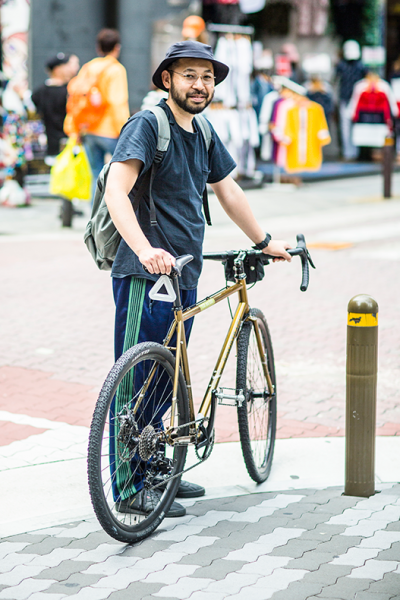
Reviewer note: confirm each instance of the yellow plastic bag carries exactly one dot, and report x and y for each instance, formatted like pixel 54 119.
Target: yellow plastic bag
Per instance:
pixel 71 175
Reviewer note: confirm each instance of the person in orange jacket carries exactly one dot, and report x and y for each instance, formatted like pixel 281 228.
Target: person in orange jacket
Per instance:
pixel 101 139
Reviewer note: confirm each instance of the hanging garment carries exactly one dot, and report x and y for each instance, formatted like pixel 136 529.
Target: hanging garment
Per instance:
pixel 312 16
pixel 225 52
pixel 305 133
pixel 263 124
pixel 244 68
pixel 373 98
pixel 371 108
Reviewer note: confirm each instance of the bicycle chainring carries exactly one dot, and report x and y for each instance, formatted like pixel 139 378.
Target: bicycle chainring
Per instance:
pixel 204 447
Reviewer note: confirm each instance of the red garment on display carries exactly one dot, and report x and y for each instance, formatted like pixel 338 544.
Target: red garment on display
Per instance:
pixel 373 101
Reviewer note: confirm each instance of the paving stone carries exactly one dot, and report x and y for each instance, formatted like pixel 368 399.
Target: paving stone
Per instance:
pixel 171 574
pixel 295 548
pixel 390 584
pixel 91 541
pixel 224 528
pixel 308 521
pixel 46 546
pixel 146 549
pixel 345 588
pixel 393 526
pixel 298 590
pixel 205 556
pixel 375 569
pixel 139 589
pixel 392 553
pixel 27 537
pixel 323 496
pixel 326 573
pixel 184 588
pixel 311 560
pixel 337 505
pixel 63 570
pixel 24 589
pixel 233 583
pixel 74 583
pixel 218 569
pixel 295 511
pixel 368 596
pixel 355 557
pixel 264 565
pixel 266 525
pixel 322 532
pixel 339 544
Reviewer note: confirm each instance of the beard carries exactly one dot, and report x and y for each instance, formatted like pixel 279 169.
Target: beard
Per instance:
pixel 183 100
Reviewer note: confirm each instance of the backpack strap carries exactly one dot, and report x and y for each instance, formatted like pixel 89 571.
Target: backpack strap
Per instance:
pixel 205 129
pixel 164 136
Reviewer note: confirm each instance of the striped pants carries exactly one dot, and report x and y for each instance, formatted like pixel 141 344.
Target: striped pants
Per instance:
pixel 137 319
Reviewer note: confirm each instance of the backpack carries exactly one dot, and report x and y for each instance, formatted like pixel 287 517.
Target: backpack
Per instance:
pixel 85 104
pixel 101 236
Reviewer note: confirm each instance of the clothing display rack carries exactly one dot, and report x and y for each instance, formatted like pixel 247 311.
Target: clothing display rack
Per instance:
pixel 231 112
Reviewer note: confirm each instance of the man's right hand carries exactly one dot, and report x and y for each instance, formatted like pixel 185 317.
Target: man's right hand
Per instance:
pixel 156 260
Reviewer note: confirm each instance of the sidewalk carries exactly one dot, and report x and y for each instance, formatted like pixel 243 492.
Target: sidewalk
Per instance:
pixel 295 536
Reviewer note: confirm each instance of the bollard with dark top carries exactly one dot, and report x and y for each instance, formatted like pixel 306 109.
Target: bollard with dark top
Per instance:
pixel 361 378
pixel 387 165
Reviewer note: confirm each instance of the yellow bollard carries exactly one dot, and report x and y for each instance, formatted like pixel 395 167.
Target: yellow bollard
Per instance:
pixel 361 378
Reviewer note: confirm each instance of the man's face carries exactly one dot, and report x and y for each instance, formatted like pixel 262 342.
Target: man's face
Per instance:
pixel 192 84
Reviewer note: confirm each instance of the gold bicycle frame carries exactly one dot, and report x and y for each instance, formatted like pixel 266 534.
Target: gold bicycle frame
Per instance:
pixel 241 315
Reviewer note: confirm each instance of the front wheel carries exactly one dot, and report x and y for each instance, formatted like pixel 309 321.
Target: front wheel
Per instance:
pixel 257 415
pixel 129 454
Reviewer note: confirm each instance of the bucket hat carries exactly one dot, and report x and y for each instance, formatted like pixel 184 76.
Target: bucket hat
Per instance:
pixel 189 49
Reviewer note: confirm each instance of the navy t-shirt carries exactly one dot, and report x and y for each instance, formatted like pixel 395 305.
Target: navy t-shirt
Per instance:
pixel 177 191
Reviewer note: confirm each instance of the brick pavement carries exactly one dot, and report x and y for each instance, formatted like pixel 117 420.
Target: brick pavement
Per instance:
pixel 57 321
pixel 56 348
pixel 290 545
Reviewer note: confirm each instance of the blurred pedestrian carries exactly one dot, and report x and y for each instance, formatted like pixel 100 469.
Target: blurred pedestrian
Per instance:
pixel 50 100
pixel 349 70
pixel 194 28
pixel 108 84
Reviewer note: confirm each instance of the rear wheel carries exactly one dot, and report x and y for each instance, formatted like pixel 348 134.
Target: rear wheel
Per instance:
pixel 129 453
pixel 257 415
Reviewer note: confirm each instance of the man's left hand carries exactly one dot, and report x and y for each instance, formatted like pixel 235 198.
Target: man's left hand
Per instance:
pixel 278 248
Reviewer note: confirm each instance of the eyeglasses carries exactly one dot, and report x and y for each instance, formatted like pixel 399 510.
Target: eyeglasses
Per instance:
pixel 192 78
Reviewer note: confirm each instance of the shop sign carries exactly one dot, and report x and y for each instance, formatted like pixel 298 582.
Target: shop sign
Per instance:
pixel 374 56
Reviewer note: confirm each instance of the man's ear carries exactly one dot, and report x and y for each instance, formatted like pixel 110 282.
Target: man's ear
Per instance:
pixel 166 79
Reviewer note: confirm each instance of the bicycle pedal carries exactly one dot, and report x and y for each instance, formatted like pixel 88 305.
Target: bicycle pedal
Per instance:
pixel 230 397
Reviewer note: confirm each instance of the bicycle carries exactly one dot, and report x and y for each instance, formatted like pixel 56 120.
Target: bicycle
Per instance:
pixel 131 449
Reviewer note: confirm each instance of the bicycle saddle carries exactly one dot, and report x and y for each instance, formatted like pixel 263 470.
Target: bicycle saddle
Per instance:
pixel 180 262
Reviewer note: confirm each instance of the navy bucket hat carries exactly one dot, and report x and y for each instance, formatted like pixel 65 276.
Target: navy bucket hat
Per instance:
pixel 189 49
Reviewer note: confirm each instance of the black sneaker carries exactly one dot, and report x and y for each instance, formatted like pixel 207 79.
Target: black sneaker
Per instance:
pixel 144 502
pixel 187 490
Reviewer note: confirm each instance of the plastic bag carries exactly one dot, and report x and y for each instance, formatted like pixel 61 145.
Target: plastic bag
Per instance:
pixel 71 175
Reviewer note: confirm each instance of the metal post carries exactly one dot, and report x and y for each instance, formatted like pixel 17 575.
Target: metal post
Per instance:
pixel 387 165
pixel 361 377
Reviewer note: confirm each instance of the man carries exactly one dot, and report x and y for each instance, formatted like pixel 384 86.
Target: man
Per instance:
pixel 188 73
pixel 102 138
pixel 50 100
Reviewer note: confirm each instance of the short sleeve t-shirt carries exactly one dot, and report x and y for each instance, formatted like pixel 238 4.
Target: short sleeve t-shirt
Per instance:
pixel 177 191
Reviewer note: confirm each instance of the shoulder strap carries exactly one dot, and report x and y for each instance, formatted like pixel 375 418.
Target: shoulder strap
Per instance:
pixel 163 139
pixel 205 129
